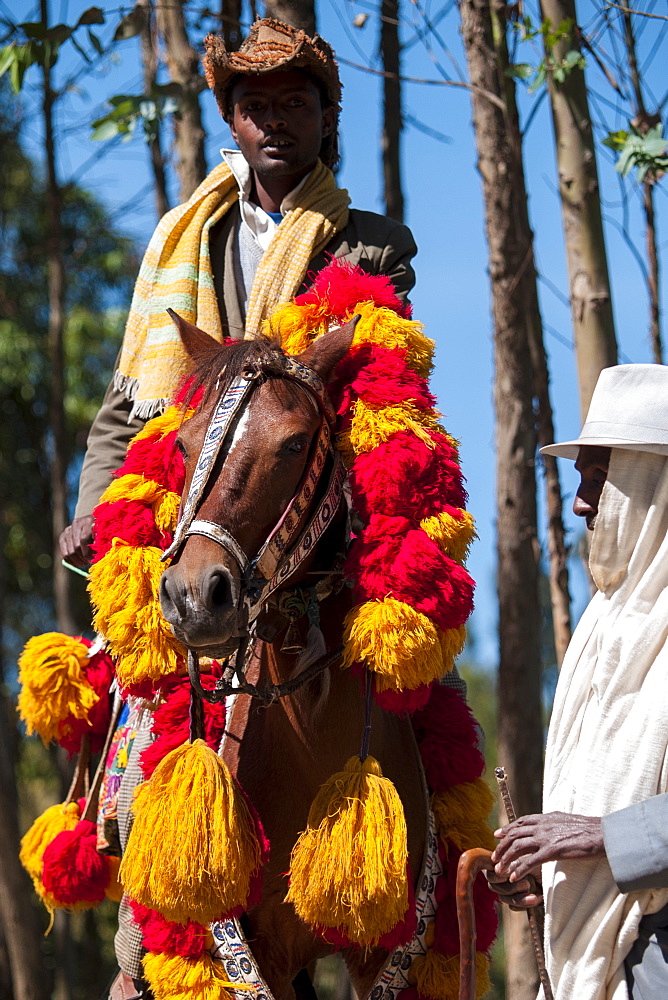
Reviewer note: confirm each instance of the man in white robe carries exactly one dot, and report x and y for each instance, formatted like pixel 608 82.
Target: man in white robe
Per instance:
pixel 602 840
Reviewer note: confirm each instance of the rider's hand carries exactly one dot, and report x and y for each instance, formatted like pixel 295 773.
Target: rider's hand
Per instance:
pixel 75 541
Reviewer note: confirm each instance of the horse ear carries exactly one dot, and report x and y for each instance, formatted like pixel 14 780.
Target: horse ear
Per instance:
pixel 325 353
pixel 195 341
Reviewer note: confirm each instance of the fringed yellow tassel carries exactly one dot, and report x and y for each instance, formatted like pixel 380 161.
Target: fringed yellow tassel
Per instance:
pixel 166 512
pixel 44 830
pixel 133 487
pixel 452 643
pixel 460 813
pixel 379 325
pixel 348 868
pixel 295 327
pixel 123 587
pixel 453 535
pixel 372 426
pixel 172 977
pixel 437 976
pixel 395 641
pixel 167 422
pixel 193 848
pixel 53 684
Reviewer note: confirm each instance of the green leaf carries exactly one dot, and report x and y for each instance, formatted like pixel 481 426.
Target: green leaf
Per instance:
pixel 520 71
pixel 103 129
pixel 538 80
pixel 94 15
pixel 132 24
pixel 59 33
pixel 616 140
pixel 95 42
pixel 7 57
pixel 574 59
pixel 17 72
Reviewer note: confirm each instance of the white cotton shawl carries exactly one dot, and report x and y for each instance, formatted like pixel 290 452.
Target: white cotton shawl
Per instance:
pixel 607 745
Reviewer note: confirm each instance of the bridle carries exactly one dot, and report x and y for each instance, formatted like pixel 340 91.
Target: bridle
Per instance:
pixel 286 547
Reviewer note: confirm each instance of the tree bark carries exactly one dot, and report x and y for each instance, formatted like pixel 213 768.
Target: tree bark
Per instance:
pixel 518 355
pixel 643 122
pixel 56 294
pixel 591 303
pixel 390 51
pixel 230 16
pixel 183 65
pixel 298 13
pixel 150 63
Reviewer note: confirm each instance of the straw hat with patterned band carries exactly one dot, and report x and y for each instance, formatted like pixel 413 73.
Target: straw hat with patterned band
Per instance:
pixel 629 409
pixel 272 45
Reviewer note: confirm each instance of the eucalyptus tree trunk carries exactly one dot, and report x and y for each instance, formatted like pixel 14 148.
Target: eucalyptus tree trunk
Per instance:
pixel 57 447
pixel 517 350
pixel 230 16
pixel 390 51
pixel 643 122
pixel 149 57
pixel 298 13
pixel 589 283
pixel 184 69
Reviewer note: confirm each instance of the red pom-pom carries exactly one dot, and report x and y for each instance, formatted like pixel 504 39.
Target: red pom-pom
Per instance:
pixel 171 721
pixel 99 671
pixel 72 869
pixel 447 736
pixel 380 377
pixel 403 477
pixel 131 520
pixel 341 286
pixel 403 702
pixel 156 457
pixel 188 940
pixel 391 558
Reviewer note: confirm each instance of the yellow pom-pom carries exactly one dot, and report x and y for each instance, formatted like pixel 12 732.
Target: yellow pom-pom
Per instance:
pixel 295 327
pixel 123 587
pixel 453 641
pixel 437 976
pixel 45 829
pixel 133 487
pixel 372 426
pixel 453 535
pixel 380 325
pixel 191 801
pixel 172 977
pixel 53 683
pixel 167 511
pixel 164 424
pixel 460 813
pixel 395 641
pixel 114 890
pixel 348 868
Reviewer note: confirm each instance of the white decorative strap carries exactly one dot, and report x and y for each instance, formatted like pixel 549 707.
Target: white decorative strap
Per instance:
pixel 222 537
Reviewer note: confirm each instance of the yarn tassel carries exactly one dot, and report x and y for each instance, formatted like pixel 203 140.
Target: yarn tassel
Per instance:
pixel 174 977
pixel 348 868
pixel 44 830
pixel 74 874
pixel 437 976
pixel 193 847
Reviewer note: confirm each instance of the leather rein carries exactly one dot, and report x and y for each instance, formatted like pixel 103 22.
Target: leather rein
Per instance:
pixel 286 547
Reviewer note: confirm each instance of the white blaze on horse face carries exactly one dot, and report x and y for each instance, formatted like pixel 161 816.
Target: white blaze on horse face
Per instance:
pixel 239 431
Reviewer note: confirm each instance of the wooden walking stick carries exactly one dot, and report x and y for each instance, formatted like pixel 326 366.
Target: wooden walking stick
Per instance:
pixel 470 864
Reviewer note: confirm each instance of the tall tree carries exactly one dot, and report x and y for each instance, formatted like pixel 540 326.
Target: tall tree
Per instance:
pixel 183 64
pixel 390 52
pixel 520 375
pixel 230 16
pixel 149 57
pixel 589 283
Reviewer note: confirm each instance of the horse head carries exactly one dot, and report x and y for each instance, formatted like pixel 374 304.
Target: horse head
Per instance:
pixel 248 449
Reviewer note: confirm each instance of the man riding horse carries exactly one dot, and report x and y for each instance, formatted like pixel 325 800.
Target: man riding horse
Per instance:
pixel 267 219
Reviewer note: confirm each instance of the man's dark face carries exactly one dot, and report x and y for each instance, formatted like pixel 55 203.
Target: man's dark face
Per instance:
pixel 592 464
pixel 279 123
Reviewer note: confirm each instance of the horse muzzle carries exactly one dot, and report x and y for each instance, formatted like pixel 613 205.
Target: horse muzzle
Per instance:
pixel 206 612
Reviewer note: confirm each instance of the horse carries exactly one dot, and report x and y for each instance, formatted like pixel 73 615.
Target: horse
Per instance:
pixel 282 752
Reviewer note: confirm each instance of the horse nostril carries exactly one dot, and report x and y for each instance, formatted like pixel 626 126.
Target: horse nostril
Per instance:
pixel 220 589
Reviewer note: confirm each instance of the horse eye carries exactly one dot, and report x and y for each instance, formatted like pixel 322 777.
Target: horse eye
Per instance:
pixel 181 447
pixel 296 445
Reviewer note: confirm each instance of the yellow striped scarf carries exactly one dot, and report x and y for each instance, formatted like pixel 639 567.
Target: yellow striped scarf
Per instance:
pixel 176 273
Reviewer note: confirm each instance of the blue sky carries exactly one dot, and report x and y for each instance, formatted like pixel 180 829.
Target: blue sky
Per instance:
pixel 443 208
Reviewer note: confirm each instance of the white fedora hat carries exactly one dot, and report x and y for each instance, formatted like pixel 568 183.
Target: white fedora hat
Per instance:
pixel 629 409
